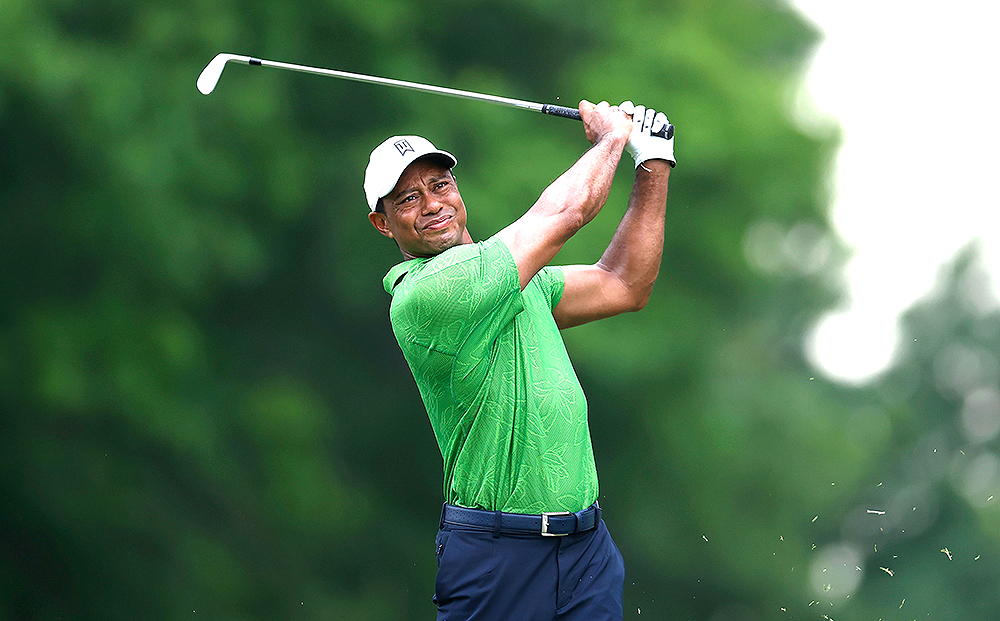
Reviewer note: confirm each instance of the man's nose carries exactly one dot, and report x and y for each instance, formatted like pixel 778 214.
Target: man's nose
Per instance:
pixel 432 204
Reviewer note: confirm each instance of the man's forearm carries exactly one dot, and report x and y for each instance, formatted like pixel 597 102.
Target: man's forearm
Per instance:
pixel 574 198
pixel 636 249
pixel 583 189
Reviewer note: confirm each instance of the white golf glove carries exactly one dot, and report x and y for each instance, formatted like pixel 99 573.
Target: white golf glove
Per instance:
pixel 652 135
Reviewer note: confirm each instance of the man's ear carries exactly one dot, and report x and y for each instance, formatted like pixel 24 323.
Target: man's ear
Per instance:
pixel 379 222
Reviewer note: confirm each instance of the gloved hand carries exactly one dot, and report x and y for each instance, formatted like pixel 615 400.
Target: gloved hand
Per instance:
pixel 652 135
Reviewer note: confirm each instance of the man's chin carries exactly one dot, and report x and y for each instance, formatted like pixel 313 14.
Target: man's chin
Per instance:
pixel 446 245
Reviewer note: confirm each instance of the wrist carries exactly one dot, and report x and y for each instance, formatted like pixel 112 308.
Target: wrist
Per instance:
pixel 653 166
pixel 615 140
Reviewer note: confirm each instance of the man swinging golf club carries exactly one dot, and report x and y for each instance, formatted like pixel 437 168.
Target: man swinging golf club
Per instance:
pixel 521 535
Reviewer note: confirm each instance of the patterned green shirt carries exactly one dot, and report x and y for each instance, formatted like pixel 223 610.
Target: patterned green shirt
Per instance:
pixel 503 399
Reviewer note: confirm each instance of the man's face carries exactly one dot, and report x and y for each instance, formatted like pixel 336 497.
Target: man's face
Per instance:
pixel 424 213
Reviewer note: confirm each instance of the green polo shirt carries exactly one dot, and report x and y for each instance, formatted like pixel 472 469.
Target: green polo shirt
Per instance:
pixel 503 399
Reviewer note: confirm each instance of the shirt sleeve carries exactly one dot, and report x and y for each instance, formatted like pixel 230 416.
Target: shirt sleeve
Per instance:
pixel 551 281
pixel 469 289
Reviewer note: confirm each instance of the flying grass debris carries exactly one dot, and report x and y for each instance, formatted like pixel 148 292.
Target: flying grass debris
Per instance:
pixel 888 571
pixel 947 553
pixel 876 512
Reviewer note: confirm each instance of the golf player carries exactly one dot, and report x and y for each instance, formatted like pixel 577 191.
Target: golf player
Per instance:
pixel 521 537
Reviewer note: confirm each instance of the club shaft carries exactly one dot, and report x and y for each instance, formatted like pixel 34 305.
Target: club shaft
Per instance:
pixel 426 88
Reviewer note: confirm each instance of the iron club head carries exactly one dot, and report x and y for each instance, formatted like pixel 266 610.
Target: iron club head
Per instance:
pixel 213 71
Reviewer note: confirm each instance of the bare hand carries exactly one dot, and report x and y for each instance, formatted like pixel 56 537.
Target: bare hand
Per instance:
pixel 605 121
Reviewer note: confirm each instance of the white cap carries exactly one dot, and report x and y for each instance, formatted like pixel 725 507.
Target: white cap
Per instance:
pixel 390 159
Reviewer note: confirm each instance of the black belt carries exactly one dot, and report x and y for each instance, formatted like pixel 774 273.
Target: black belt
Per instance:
pixel 556 524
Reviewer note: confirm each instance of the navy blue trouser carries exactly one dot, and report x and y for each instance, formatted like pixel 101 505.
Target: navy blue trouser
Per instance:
pixel 578 577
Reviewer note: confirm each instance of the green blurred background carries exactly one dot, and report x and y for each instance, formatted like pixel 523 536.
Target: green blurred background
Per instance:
pixel 205 414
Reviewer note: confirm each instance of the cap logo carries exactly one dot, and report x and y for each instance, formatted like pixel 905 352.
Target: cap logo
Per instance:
pixel 403 147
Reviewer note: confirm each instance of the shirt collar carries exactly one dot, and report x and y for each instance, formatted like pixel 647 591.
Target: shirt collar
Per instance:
pixel 395 275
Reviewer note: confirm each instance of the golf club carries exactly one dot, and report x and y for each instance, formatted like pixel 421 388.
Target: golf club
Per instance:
pixel 213 71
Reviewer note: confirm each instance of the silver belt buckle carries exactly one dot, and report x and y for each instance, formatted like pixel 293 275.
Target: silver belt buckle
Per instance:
pixel 545 524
